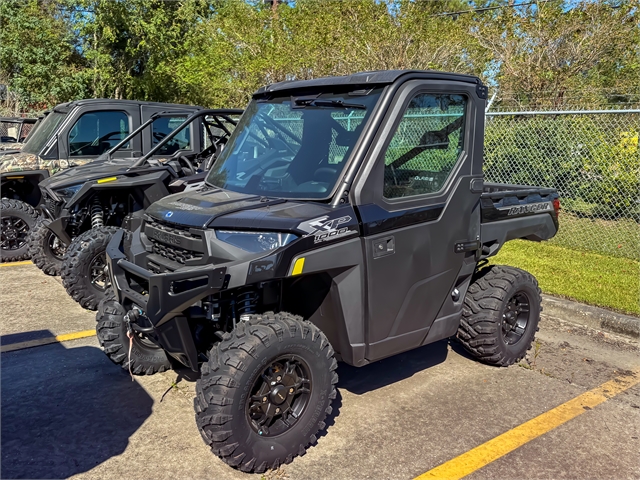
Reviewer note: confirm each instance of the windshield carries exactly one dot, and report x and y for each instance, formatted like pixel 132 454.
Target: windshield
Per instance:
pixel 38 139
pixel 293 147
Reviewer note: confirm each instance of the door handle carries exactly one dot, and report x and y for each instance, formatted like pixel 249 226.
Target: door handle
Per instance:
pixel 383 247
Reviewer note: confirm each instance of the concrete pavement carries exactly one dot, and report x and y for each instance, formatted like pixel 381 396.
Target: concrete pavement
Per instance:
pixel 67 411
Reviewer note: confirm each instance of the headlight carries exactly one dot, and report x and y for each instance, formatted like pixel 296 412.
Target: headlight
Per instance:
pixel 256 242
pixel 68 192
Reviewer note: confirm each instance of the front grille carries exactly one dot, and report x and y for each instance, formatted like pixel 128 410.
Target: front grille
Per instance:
pixel 169 251
pixel 175 254
pixel 171 228
pixel 54 207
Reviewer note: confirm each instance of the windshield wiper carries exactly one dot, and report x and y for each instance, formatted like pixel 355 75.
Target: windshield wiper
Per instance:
pixel 313 102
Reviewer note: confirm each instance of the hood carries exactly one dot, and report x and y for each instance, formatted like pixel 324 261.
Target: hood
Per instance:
pixel 224 209
pixel 87 172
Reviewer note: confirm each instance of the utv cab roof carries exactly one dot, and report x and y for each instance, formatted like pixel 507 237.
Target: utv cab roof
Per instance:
pixel 378 77
pixel 65 107
pixel 18 120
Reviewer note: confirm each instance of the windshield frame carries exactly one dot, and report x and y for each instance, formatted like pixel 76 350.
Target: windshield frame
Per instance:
pixel 41 138
pixel 352 91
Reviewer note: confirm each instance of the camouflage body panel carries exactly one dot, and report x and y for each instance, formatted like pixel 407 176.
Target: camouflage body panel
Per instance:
pixel 10 146
pixel 22 161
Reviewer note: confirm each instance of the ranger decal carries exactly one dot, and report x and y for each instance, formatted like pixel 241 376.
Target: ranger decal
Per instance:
pixel 528 208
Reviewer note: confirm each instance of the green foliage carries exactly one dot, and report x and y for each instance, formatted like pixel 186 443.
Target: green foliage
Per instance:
pixel 38 56
pixel 595 158
pixel 546 49
pixel 217 52
pixel 130 45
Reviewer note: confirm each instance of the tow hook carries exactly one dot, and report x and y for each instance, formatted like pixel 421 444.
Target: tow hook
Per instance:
pixel 132 317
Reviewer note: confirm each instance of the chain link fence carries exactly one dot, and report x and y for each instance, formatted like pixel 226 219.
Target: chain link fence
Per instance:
pixel 591 157
pixel 12 131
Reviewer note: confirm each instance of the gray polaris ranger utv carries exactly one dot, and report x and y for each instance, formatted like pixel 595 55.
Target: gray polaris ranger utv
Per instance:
pixel 346 219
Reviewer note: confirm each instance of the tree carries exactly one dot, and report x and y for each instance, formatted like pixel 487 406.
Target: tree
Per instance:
pixel 38 56
pixel 542 51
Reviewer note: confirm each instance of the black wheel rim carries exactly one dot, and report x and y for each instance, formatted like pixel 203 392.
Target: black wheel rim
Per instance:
pixel 14 233
pixel 99 273
pixel 515 318
pixel 56 247
pixel 279 396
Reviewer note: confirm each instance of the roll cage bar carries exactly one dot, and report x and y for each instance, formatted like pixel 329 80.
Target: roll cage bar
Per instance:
pixel 220 115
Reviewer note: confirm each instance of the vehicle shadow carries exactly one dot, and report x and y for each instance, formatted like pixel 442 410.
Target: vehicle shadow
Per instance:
pixel 359 380
pixel 65 410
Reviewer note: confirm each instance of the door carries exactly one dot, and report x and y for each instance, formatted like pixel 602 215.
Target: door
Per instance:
pixel 95 130
pixel 421 206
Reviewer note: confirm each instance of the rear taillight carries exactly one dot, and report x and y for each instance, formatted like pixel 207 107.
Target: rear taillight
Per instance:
pixel 556 205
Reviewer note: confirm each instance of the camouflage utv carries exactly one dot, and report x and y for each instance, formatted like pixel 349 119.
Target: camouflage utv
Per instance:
pixel 71 134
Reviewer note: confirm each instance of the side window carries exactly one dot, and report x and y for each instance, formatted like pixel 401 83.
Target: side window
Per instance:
pixel 163 126
pixel 96 132
pixel 425 148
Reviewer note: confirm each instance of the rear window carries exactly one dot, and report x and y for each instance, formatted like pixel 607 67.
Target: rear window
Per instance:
pixel 163 126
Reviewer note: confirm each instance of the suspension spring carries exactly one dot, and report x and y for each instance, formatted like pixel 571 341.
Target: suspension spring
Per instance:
pixel 246 302
pixel 96 214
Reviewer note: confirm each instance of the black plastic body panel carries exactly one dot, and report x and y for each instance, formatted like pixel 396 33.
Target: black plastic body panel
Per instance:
pixel 23 185
pixel 516 211
pixel 59 227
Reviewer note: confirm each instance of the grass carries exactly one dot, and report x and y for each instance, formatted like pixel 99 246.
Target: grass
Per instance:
pixel 592 278
pixel 620 238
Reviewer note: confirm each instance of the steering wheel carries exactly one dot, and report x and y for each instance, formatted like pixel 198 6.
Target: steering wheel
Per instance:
pixel 209 161
pixel 186 163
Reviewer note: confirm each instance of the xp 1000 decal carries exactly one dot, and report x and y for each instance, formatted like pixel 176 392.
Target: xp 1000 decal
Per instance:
pixel 324 229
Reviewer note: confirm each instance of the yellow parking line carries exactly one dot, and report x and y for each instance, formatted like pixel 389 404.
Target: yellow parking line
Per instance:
pixel 499 446
pixel 16 264
pixel 47 340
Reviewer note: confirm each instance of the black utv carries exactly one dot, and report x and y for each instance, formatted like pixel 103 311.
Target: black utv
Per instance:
pixel 85 205
pixel 346 219
pixel 70 134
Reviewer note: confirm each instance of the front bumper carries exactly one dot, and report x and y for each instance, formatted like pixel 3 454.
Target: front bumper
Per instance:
pixel 165 297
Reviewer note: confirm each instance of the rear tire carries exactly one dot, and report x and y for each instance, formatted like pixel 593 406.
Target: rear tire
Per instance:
pixel 277 357
pixel 500 315
pixel 84 274
pixel 146 357
pixel 46 249
pixel 17 220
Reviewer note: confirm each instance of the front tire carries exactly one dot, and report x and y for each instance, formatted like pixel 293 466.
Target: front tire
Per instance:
pixel 18 220
pixel 265 391
pixel 46 249
pixel 146 357
pixel 500 315
pixel 84 267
